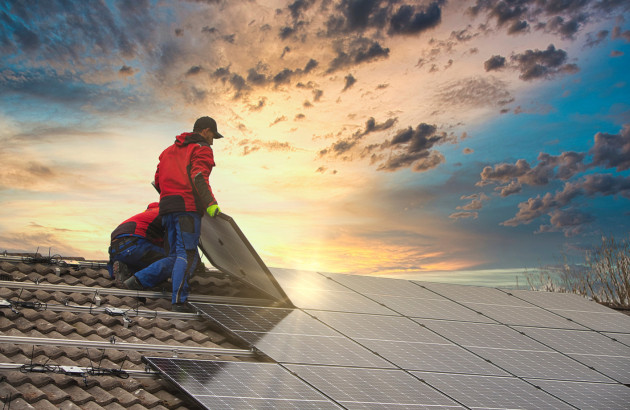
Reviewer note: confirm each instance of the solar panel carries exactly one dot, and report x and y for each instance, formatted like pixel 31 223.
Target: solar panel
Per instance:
pixel 372 285
pixel 575 341
pixel 540 364
pixel 229 385
pixel 492 391
pixel 431 309
pixel 525 316
pixel 263 319
pixel 554 300
pixel 292 348
pixel 431 357
pixel 588 395
pixel 473 294
pixel 615 367
pixel 227 249
pixel 372 388
pixel 610 321
pixel 335 301
pixel 482 335
pixel 396 328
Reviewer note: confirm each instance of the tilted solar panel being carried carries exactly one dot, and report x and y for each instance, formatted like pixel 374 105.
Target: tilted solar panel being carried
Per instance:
pixel 386 351
pixel 227 249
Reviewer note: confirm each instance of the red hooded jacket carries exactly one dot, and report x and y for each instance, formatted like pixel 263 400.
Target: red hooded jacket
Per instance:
pixel 182 175
pixel 147 224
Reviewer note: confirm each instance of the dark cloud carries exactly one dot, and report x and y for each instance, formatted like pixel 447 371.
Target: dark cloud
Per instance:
pixel 277 120
pixel 194 70
pixel 617 33
pixel 413 148
pixel 612 151
pixel 357 51
pixel 562 17
pixel 344 145
pixel 317 95
pixel 534 64
pixel 350 80
pixel 572 222
pixel 409 20
pixel 548 168
pixel 494 63
pixel 593 40
pixel 125 70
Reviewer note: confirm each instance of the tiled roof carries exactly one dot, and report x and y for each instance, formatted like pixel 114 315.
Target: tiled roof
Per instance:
pixel 48 314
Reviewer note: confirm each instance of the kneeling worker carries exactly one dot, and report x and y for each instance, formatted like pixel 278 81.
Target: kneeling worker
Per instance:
pixel 136 243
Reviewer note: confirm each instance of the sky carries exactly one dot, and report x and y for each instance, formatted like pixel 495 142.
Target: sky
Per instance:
pixel 413 139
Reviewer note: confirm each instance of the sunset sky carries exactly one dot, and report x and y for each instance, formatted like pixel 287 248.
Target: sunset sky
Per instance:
pixel 393 137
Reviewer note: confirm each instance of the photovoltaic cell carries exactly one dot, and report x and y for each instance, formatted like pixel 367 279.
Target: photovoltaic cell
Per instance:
pixel 588 395
pixel 288 278
pixel 492 391
pixel 243 385
pixel 372 388
pixel 548 365
pixel 227 249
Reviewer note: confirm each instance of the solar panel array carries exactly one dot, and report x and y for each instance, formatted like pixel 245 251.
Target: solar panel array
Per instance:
pixel 368 342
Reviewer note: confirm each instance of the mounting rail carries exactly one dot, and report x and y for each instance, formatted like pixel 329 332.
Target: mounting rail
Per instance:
pixel 232 300
pixel 136 374
pixel 139 347
pixel 96 310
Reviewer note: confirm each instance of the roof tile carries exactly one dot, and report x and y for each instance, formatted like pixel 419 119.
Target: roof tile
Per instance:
pixel 31 393
pixel 20 403
pixel 101 396
pixel 124 398
pixel 44 404
pixel 69 405
pixel 147 399
pixel 78 394
pixel 54 394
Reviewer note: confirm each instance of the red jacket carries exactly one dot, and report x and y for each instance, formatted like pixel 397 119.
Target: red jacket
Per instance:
pixel 147 224
pixel 182 175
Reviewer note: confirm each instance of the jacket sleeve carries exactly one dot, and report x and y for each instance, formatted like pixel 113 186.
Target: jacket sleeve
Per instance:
pixel 156 179
pixel 202 162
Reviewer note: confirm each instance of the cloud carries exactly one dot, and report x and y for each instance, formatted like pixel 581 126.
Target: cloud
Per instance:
pixel 409 20
pixel 612 151
pixel 609 151
pixel 464 215
pixel 356 51
pixel 344 145
pixel 413 148
pixel 251 146
pixel 534 64
pixel 494 63
pixel 474 92
pixel 350 80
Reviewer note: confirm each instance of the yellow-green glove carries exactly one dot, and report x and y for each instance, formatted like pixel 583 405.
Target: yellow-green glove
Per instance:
pixel 213 210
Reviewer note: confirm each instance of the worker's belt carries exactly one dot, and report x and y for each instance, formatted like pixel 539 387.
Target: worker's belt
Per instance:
pixel 120 244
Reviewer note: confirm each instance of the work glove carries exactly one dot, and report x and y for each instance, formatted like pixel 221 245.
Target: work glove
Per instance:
pixel 213 210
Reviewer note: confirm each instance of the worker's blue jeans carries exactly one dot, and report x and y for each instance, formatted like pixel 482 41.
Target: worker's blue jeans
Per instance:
pixel 135 252
pixel 183 230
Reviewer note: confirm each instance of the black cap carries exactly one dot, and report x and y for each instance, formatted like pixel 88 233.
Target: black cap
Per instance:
pixel 207 122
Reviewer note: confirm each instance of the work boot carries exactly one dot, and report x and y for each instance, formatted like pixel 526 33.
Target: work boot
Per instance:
pixel 122 273
pixel 133 284
pixel 181 308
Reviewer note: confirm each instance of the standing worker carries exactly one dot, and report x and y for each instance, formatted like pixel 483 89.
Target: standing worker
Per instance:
pixel 136 243
pixel 181 179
